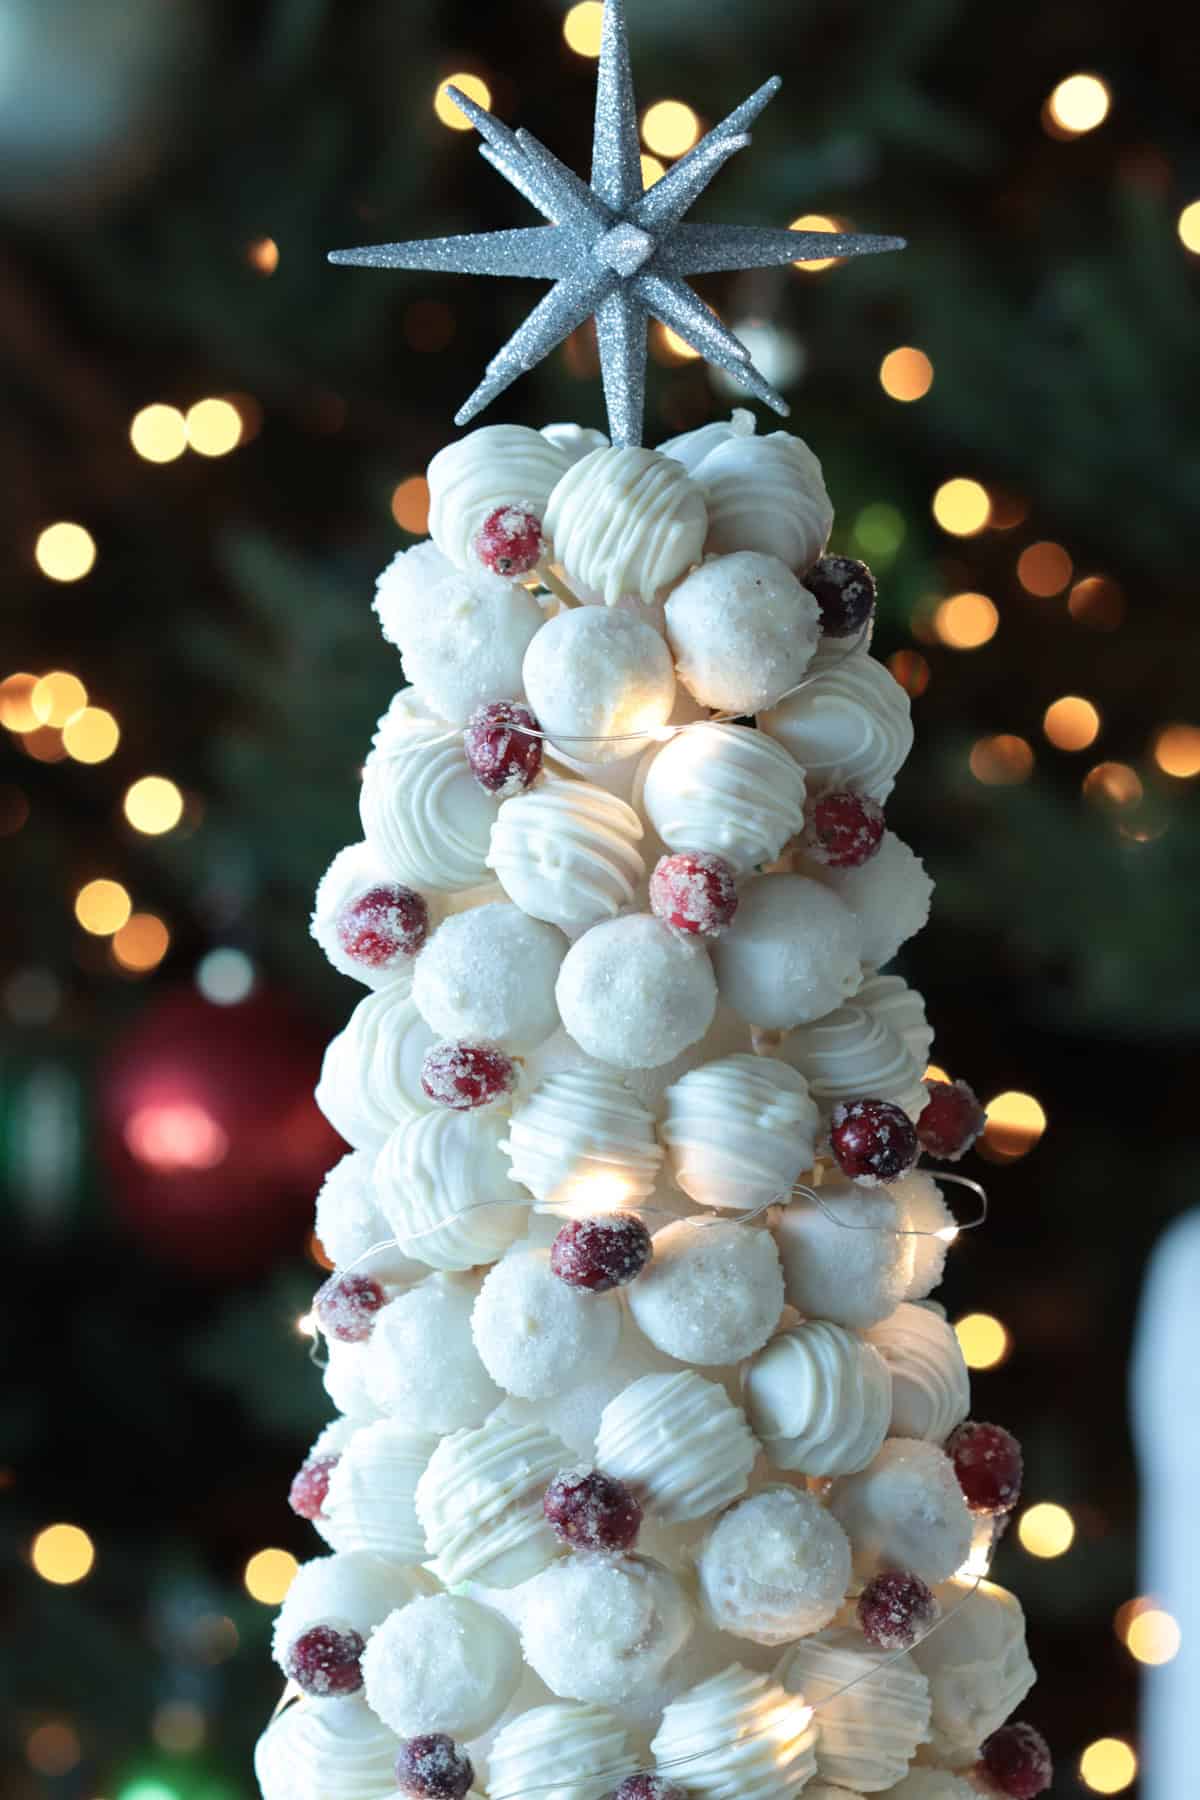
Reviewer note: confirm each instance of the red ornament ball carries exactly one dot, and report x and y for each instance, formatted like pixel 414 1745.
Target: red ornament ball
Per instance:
pixel 952 1120
pixel 465 1077
pixel 873 1141
pixel 432 1767
pixel 503 748
pixel 602 1253
pixel 987 1460
pixel 694 892
pixel 324 1661
pixel 1017 1761
pixel 844 589
pixel 510 542
pixel 895 1609
pixel 385 927
pixel 843 830
pixel 310 1484
pixel 346 1306
pixel 648 1787
pixel 592 1511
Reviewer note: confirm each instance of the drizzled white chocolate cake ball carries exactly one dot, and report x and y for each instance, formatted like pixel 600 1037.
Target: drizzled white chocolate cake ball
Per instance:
pixel 582 1138
pixel 488 976
pixel 712 1292
pixel 626 522
pixel 691 447
pixel 442 1182
pixel 571 1750
pixel 371 1075
pixel 725 790
pixel 593 674
pixel 499 466
pixel 575 441
pixel 889 999
pixel 422 1365
pixel 323 1748
pixel 849 1055
pixel 597 1627
pixel 850 727
pixel 819 1399
pixel 679 1442
pixel 535 1334
pixel 424 815
pixel 933 1784
pixel 480 1503
pixel 369 1502
pixel 906 1511
pixel 634 993
pixel 774 1567
pixel 442 1663
pixel 931 1389
pixel 567 852
pixel 739 1131
pixel 738 1736
pixel 765 494
pixel 791 957
pixel 873 1711
pixel 743 630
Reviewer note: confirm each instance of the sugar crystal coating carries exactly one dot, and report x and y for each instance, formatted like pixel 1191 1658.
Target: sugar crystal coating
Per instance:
pixel 793 955
pixel 510 542
pixel 432 1767
pixel 774 1567
pixel 310 1484
pixel 634 993
pixel 489 975
pixel 905 1512
pixel 600 1627
pixel 535 1333
pixel 424 1368
pixel 442 1663
pixel 713 1292
pixel 593 674
pixel 843 829
pixel 873 1141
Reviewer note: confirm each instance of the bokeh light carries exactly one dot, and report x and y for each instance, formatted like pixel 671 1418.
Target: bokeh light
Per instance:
pixel 815 222
pixel 906 374
pixel 179 1727
pixel 91 736
pixel 966 621
pixel 1108 1766
pixel 53 1749
pixel 1153 1637
pixel 214 427
pixel 170 1136
pixel 263 255
pixel 65 551
pixel 669 128
pixel 153 805
pixel 1097 603
pixel 583 26
pixel 1071 723
pixel 57 697
pixel 141 943
pixel 652 170
pixel 63 1554
pixel 1015 1122
pixel 410 505
pixel 983 1340
pixel 676 348
pixel 1044 569
pixel 268 1575
pixel 16 696
pixel 879 530
pixel 1046 1530
pixel 102 907
pixel 473 86
pixel 1001 761
pixel 1189 227
pixel 1113 784
pixel 158 433
pixel 1078 104
pixel 1177 751
pixel 962 507
pixel 911 671
pixel 45 744
pixel 225 976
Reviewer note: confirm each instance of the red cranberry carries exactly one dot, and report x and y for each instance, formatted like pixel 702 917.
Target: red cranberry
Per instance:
pixel 386 925
pixel 895 1609
pixel 1016 1760
pixel 648 1787
pixel 502 747
pixel 465 1076
pixel 602 1253
pixel 510 542
pixel 432 1767
pixel 306 1496
pixel 592 1511
pixel 952 1120
pixel 694 891
pixel 873 1141
pixel 325 1661
pixel 987 1460
pixel 346 1307
pixel 845 592
pixel 843 830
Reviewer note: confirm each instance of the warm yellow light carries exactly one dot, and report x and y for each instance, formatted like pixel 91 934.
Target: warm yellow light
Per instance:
pixel 214 427
pixel 1044 569
pixel 1015 1122
pixel 983 1340
pixel 91 735
pixel 1108 1766
pixel 158 433
pixel 141 943
pixel 603 1191
pixel 582 27
pixel 1001 761
pixel 62 1554
pixel 676 347
pixel 815 222
pixel 16 696
pixel 1177 751
pixel 474 87
pixel 669 128
pixel 979 1561
pixel 1071 723
pixel 1153 1637
pixel 1079 104
pixel 153 805
pixel 65 552
pixel 966 621
pixel 53 1749
pixel 263 254
pixel 1113 784
pixel 269 1574
pixel 410 505
pixel 935 1072
pixel 906 374
pixel 652 170
pixel 102 907
pixel 1096 602
pixel 178 1727
pixel 57 697
pixel 306 1325
pixel 1189 227
pixel 961 506
pixel 1046 1530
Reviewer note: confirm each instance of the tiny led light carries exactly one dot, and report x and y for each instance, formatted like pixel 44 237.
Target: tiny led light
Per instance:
pixel 214 427
pixel 410 505
pixel 1108 1766
pixel 906 374
pixel 669 128
pixel 268 1575
pixel 966 621
pixel 1177 751
pixel 583 26
pixel 306 1325
pixel 57 697
pixel 983 1340
pixel 158 433
pixel 473 86
pixel 1071 723
pixel 1078 104
pixel 63 1554
pixel 91 736
pixel 102 907
pixel 65 551
pixel 1015 1122
pixel 935 1072
pixel 1153 1637
pixel 961 506
pixel 1046 1530
pixel 153 805
pixel 815 222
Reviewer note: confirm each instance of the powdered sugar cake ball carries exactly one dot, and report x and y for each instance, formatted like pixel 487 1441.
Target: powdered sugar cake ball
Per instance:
pixel 320 1748
pixel 597 1627
pixel 423 1367
pixel 933 1784
pixel 906 1511
pixel 352 1591
pixel 443 1663
pixel 819 1399
pixel 480 1503
pixel 873 1711
pixel 626 522
pixel 371 1073
pixel 766 494
pixel 850 727
pixel 738 1736
pixel 574 1415
pixel 349 1224
pixel 571 1750
pixel 977 1665
pixel 567 852
pixel 634 993
pixel 774 1567
pixel 679 1442
pixel 849 1055
pixel 743 630
pixel 739 1131
pixel 582 1138
pixel 488 976
pixel 712 1292
pixel 931 1389
pixel 726 790
pixel 889 999
pixel 424 815
pixel 535 1334
pixel 790 956
pixel 924 1213
pixel 369 1501
pixel 889 897
pixel 346 1379
pixel 497 466
pixel 845 1260
pixel 593 674
pixel 443 1185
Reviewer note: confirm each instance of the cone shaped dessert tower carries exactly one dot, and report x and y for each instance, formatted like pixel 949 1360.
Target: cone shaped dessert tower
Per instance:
pixel 653 1473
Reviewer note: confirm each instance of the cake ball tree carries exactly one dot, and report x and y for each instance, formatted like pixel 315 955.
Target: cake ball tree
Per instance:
pixel 653 1477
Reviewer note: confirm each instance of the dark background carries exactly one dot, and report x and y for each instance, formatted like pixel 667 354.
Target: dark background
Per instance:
pixel 160 1396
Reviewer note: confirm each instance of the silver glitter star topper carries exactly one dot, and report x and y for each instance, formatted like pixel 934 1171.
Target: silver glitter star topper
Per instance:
pixel 615 249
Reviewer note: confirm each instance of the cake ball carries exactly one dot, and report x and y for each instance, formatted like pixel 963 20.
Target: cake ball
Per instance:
pixel 354 875
pixel 593 674
pixel 597 1627
pixel 346 1379
pixel 566 1751
pixel 791 956
pixel 582 1139
pixel 423 1368
pixel 849 1055
pixel 443 1185
pixel 324 1747
pixel 488 976
pixel 738 1736
pixel 679 1442
pixel 351 1591
pixel 634 993
pixel 906 1511
pixel 711 1294
pixel 924 1214
pixel 499 466
pixel 575 441
pixel 850 727
pixel 933 1784
pixel 873 1711
pixel 535 1334
pixel 574 1414
pixel 889 999
pixel 739 1131
pixel 819 1399
pixel 774 1567
pixel 691 447
pixel 480 1503
pixel 727 791
pixel 824 1790
pixel 350 1224
pixel 765 494
pixel 371 1073
pixel 931 1389
pixel 728 1035
pixel 442 1663
pixel 424 815
pixel 567 852
pixel 743 630
pixel 844 1259
pixel 977 1665
pixel 369 1501
pixel 626 522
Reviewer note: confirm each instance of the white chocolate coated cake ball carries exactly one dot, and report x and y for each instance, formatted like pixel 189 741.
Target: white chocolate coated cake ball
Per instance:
pixel 889 897
pixel 480 1502
pixel 906 1511
pixel 933 1784
pixel 726 790
pixel 931 1389
pixel 592 675
pixel 581 1138
pixel 567 852
pixel 371 1073
pixel 626 522
pixel 597 1627
pixel 850 727
pixel 423 1368
pixel 497 466
pixel 774 1567
pixel 889 999
pixel 353 1591
pixel 443 1184
pixel 873 1710
pixel 849 1055
pixel 537 1335
pixel 326 1750
pixel 691 447
pixel 977 1665
pixel 845 1259
pixel 575 441
pixel 571 1750
pixel 766 494
pixel 743 630
pixel 739 1131
pixel 738 1736
pixel 634 993
pixel 790 956
pixel 443 1663
pixel 488 976
pixel 424 815
pixel 924 1213
pixel 679 1442
pixel 711 1293
pixel 350 1223
pixel 819 1399
pixel 368 1504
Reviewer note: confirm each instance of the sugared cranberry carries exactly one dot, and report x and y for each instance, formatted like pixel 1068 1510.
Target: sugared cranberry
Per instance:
pixel 346 1307
pixel 952 1120
pixel 466 1076
pixel 510 542
pixel 598 1254
pixel 843 830
pixel 873 1141
pixel 432 1767
pixel 503 748
pixel 648 1787
pixel 895 1609
pixel 387 925
pixel 845 592
pixel 310 1484
pixel 325 1661
pixel 1017 1761
pixel 987 1460
pixel 592 1511
pixel 694 891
